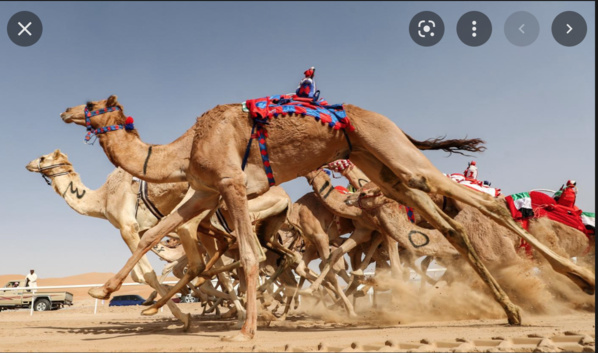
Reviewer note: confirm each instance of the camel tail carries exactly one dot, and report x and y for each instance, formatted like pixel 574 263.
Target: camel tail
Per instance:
pixel 451 146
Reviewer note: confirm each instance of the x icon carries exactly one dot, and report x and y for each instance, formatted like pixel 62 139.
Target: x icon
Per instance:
pixel 24 28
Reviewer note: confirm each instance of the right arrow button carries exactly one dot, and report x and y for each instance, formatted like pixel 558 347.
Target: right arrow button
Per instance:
pixel 563 25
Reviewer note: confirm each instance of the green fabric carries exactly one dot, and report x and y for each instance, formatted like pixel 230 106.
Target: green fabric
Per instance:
pixel 520 195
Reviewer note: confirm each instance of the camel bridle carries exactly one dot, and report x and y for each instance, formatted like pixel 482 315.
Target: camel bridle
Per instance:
pixel 360 197
pixel 101 130
pixel 342 166
pixel 48 177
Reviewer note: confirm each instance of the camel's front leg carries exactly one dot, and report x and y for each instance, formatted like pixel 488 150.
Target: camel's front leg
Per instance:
pixel 359 236
pixel 193 204
pixel 392 248
pixel 234 193
pixel 209 245
pixel 456 235
pixel 453 231
pixel 358 271
pixel 187 233
pixel 130 234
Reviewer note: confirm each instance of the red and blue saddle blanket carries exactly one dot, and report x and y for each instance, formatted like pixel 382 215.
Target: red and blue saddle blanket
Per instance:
pixel 262 110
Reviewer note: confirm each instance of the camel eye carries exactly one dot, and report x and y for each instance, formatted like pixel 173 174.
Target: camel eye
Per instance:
pixel 41 159
pixel 89 106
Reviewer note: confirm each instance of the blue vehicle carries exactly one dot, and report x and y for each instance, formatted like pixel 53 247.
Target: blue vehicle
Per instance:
pixel 130 299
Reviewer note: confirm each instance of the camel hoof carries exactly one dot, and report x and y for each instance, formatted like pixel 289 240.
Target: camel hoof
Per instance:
pixel 514 317
pixel 99 293
pixel 587 285
pixel 150 311
pixel 240 337
pixel 359 294
pixel 186 322
pixel 358 273
pixel 307 292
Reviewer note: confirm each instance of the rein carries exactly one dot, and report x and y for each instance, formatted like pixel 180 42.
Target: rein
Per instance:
pixel 48 178
pixel 101 130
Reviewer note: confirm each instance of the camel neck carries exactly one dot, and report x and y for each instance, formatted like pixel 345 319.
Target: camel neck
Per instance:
pixel 79 197
pixel 152 163
pixel 332 199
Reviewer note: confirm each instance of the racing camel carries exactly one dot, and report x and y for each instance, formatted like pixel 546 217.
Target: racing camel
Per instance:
pixel 117 201
pixel 296 146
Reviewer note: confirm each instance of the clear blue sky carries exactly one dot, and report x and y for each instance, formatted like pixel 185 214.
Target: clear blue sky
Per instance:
pixel 170 62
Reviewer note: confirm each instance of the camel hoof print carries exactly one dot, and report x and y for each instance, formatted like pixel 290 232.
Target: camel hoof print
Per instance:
pixel 236 338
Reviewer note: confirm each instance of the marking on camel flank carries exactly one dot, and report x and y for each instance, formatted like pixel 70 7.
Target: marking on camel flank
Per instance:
pixel 427 241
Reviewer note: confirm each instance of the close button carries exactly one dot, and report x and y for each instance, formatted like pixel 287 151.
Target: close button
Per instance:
pixel 24 28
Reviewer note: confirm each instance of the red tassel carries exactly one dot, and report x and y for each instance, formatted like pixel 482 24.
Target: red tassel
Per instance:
pixel 129 120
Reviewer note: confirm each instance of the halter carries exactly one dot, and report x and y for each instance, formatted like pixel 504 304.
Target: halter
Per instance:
pixel 48 178
pixel 367 197
pixel 341 166
pixel 91 131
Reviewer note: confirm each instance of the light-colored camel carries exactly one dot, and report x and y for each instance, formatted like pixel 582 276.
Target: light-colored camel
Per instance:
pixel 117 201
pixel 296 146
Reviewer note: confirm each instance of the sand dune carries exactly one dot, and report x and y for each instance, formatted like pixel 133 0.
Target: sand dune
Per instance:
pixel 83 279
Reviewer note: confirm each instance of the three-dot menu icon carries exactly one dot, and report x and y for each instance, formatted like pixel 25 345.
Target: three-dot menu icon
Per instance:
pixel 474 28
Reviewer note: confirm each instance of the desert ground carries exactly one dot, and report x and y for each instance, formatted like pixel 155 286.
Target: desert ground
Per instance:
pixel 441 318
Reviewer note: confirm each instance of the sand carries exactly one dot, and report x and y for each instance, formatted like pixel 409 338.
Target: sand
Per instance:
pixel 441 318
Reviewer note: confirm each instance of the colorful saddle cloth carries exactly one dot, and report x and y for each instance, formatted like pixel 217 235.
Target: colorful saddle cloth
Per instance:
pixel 269 107
pixel 535 204
pixel 262 110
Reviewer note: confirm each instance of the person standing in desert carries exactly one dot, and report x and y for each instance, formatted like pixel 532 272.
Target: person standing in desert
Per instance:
pixel 31 279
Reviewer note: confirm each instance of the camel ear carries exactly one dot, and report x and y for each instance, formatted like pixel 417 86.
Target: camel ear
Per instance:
pixel 56 153
pixel 112 101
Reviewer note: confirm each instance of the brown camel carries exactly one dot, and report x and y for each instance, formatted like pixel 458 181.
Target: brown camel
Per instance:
pixel 117 201
pixel 497 247
pixel 214 169
pixel 387 218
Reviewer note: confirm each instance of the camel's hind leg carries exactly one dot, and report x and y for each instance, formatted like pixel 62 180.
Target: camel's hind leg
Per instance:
pixel 401 162
pixel 452 230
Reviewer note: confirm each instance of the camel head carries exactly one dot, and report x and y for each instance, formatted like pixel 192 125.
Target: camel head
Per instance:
pixel 76 114
pixel 51 165
pixel 367 197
